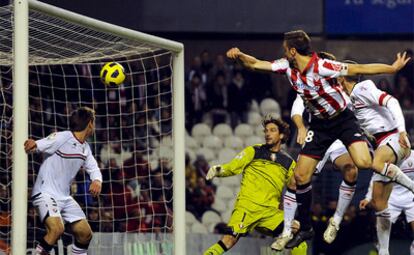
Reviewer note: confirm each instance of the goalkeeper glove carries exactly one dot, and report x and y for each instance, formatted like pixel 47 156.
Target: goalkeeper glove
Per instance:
pixel 212 172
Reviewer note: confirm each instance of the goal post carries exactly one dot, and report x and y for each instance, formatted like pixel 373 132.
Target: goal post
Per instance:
pixel 20 126
pixel 22 61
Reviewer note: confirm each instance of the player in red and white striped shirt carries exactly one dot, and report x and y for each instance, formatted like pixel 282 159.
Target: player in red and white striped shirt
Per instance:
pixel 314 79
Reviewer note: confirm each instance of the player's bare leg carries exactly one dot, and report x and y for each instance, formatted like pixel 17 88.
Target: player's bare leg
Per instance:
pixel 303 176
pixel 54 229
pixel 380 193
pixel 226 243
pixel 359 153
pixel 346 193
pixel 384 164
pixel 83 235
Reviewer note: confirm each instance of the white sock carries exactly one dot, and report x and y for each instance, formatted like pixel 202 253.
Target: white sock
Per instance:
pixel 78 251
pixel 40 250
pixel 383 231
pixel 289 210
pixel 394 172
pixel 346 193
pixel 412 248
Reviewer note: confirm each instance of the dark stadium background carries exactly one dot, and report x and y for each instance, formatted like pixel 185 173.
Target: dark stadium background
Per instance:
pixel 363 30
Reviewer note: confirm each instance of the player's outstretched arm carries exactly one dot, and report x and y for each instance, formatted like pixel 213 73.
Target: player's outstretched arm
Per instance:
pixel 400 62
pixel 30 145
pixel 248 61
pixel 234 167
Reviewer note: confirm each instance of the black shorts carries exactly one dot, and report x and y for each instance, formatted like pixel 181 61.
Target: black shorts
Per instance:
pixel 323 132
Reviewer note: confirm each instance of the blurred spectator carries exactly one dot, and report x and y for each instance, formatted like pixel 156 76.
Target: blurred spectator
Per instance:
pixel 136 169
pixel 114 151
pixel 384 85
pixel 201 166
pixel 154 214
pixel 206 63
pixel 218 99
pixel 146 128
pixel 93 219
pixel 5 217
pixel 135 223
pixel 166 90
pixel 404 93
pixel 260 85
pixel 407 71
pixel 161 182
pixel 113 100
pixel 196 69
pixel 166 121
pixel 123 202
pixel 220 65
pixel 37 118
pixel 239 99
pixel 195 99
pixel 107 221
pixel 190 173
pixel 162 214
pixel 110 172
pixel 62 118
pixel 201 199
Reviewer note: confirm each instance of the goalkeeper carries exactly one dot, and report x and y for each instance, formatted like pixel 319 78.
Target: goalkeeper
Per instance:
pixel 266 171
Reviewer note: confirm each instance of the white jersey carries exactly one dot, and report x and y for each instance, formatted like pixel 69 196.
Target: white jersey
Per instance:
pixel 402 199
pixel 64 155
pixel 370 110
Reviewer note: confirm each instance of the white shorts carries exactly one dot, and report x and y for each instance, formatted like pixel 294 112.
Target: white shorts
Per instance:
pixel 336 149
pixel 401 203
pixel 67 209
pixel 379 178
pixel 393 143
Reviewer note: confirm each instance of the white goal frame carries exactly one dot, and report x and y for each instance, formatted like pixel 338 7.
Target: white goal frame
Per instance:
pixel 21 106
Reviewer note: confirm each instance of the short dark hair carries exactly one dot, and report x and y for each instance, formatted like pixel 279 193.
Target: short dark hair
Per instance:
pixel 326 55
pixel 353 78
pixel 80 118
pixel 299 40
pixel 283 126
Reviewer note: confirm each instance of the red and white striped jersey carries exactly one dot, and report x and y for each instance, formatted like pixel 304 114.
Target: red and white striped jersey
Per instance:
pixel 317 84
pixel 369 108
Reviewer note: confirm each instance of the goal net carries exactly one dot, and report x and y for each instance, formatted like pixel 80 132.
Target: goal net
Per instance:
pixel 135 136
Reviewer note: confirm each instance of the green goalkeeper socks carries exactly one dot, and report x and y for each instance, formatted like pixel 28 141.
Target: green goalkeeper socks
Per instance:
pixel 301 249
pixel 216 249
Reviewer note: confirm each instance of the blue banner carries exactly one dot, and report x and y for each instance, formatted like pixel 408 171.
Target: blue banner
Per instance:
pixel 369 17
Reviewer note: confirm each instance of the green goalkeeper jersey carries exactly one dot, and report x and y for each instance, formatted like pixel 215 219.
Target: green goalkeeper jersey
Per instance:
pixel 265 173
